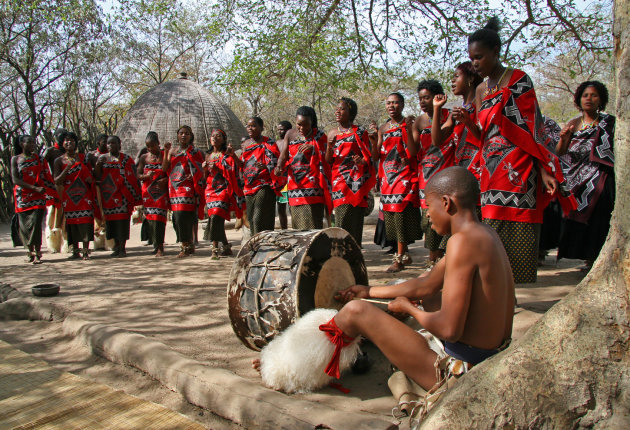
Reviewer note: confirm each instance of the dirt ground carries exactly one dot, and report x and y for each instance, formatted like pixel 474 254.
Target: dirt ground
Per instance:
pixel 182 303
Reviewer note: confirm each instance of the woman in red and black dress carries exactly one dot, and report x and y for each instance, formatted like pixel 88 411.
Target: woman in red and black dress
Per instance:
pixel 33 190
pixel 154 191
pixel 261 186
pixel 304 150
pixel 397 153
pixel 223 193
pixel 120 193
pixel 79 195
pixel 186 187
pixel 431 158
pixel 349 155
pixel 519 174
pixel 461 124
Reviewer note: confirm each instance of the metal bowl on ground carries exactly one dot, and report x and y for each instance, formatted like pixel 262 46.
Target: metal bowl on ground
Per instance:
pixel 45 290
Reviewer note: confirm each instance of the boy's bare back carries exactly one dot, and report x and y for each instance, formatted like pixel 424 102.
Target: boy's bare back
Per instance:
pixel 477 252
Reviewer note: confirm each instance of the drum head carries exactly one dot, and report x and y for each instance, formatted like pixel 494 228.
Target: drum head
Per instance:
pixel 332 262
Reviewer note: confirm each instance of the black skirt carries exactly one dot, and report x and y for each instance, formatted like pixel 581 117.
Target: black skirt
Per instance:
pixel 584 241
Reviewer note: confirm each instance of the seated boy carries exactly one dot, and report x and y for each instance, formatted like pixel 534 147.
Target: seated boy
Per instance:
pixel 468 297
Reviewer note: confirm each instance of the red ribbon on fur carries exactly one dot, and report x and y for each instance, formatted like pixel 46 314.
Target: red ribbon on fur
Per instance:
pixel 339 339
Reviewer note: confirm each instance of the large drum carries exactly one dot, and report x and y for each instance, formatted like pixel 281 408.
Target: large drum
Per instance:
pixel 280 275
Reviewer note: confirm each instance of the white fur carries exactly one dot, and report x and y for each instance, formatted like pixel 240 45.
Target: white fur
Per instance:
pixel 294 361
pixel 54 238
pixel 247 234
pixel 137 216
pixel 100 241
pixel 50 218
pixel 66 247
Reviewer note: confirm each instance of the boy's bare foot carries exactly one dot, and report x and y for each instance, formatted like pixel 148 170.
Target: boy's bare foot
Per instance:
pixel 256 364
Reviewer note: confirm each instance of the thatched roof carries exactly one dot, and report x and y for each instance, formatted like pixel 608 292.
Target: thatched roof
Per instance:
pixel 167 106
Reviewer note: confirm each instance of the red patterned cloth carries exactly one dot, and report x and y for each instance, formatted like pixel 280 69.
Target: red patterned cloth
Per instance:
pixel 154 195
pixel 223 193
pixel 339 339
pixel 513 145
pixel 33 171
pixel 120 190
pixel 186 184
pixel 398 171
pixel 309 174
pixel 431 158
pixel 267 154
pixel 467 146
pixel 79 195
pixel 352 182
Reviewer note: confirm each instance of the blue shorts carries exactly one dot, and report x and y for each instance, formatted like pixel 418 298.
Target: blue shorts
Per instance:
pixel 467 353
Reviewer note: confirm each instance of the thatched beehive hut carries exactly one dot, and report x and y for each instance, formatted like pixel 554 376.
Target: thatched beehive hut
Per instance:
pixel 167 106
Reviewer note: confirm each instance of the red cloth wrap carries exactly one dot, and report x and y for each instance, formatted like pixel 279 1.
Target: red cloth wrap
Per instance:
pixel 223 193
pixel 345 172
pixel 267 154
pixel 514 145
pixel 34 172
pixel 467 146
pixel 120 190
pixel 79 197
pixel 309 174
pixel 187 194
pixel 339 339
pixel 398 171
pixel 154 196
pixel 431 158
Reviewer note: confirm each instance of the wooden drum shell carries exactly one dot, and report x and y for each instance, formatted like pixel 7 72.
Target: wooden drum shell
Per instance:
pixel 274 279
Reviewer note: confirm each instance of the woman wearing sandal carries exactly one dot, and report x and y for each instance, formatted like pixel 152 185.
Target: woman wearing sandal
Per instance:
pixel 79 197
pixel 33 190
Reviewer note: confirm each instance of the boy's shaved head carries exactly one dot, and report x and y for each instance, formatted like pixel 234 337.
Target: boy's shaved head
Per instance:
pixel 457 182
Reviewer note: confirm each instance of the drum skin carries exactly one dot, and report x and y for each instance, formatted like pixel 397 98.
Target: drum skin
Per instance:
pixel 275 276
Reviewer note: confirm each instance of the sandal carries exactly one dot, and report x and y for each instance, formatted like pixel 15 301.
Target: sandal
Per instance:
pixel 86 254
pixel 227 250
pixel 397 264
pixel 184 252
pixel 215 253
pixel 406 259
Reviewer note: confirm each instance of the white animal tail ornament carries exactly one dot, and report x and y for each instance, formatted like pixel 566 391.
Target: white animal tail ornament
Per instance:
pixel 308 354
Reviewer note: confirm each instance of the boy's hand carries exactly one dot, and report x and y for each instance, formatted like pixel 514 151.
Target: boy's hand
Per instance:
pixel 355 291
pixel 400 305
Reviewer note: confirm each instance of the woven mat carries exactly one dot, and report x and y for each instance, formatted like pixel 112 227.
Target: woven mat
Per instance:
pixel 34 395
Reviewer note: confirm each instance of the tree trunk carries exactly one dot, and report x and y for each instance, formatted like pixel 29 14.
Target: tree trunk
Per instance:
pixel 572 368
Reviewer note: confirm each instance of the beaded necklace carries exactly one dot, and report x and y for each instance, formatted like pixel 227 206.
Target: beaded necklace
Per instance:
pixel 468 106
pixel 593 124
pixel 347 130
pixel 491 90
pixel 395 124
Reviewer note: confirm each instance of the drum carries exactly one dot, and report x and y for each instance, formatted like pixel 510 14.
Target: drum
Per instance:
pixel 280 275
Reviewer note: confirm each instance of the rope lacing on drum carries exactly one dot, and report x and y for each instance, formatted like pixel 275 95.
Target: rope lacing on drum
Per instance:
pixel 255 315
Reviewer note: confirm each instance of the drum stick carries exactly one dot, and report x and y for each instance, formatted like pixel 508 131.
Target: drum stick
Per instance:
pixel 379 303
